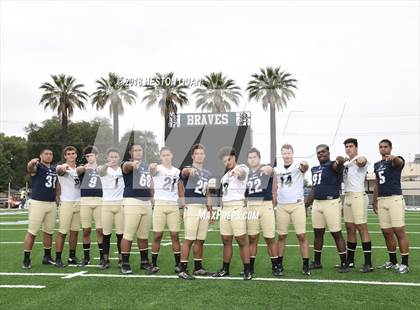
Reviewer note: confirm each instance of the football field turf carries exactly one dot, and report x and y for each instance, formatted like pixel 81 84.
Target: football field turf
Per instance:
pixel 48 287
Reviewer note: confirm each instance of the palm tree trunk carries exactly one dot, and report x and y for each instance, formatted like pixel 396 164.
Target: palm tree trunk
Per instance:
pixel 273 145
pixel 65 134
pixel 115 124
pixel 166 129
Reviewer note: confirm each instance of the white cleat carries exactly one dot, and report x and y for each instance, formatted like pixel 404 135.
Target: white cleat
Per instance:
pixel 389 266
pixel 402 269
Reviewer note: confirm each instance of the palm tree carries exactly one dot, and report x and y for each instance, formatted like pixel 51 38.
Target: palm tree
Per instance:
pixel 115 92
pixel 217 93
pixel 274 88
pixel 168 93
pixel 63 96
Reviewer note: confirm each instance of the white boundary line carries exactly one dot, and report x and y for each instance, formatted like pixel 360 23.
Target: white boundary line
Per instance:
pixel 96 275
pixel 21 286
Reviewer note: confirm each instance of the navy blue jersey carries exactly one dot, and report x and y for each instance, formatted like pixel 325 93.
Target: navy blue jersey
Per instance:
pixel 259 186
pixel 388 178
pixel 91 185
pixel 43 183
pixel 196 186
pixel 137 182
pixel 326 181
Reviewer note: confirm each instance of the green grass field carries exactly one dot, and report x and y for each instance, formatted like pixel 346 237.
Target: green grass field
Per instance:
pixel 91 288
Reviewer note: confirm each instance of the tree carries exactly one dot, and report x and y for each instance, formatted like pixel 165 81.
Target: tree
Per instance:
pixel 217 93
pixel 13 160
pixel 82 134
pixel 168 93
pixel 147 139
pixel 115 92
pixel 63 96
pixel 274 88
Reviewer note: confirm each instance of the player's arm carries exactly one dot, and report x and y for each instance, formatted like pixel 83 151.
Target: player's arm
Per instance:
pixel 62 169
pixel 267 170
pixel 361 161
pixel 57 193
pixel 210 207
pixel 310 198
pixel 338 165
pixel 31 167
pixel 375 198
pixel 397 162
pixel 274 189
pixel 102 169
pixel 303 166
pixel 239 172
pixel 81 170
pixel 181 193
pixel 153 170
pixel 129 166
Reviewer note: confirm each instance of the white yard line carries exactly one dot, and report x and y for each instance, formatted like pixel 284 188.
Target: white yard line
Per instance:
pixel 21 286
pixel 133 276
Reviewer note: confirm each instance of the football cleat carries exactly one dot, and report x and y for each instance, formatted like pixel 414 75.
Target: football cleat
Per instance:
pixel 402 269
pixel 59 263
pixel 343 268
pixel 105 265
pixel 26 264
pixel 145 265
pixel 185 276
pixel 277 272
pixel 126 269
pixel 119 262
pixel 73 260
pixel 47 260
pixel 350 265
pixel 177 269
pixel 306 271
pixel 85 262
pixel 315 265
pixel 389 266
pixel 247 275
pixel 153 270
pixel 366 268
pixel 201 272
pixel 221 273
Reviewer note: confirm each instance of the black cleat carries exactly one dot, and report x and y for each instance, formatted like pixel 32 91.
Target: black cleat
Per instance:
pixel 185 276
pixel 73 260
pixel 59 263
pixel 201 272
pixel 315 265
pixel 85 262
pixel 350 265
pixel 306 271
pixel 277 272
pixel 247 276
pixel 126 269
pixel 26 264
pixel 221 273
pixel 366 268
pixel 344 268
pixel 153 270
pixel 47 260
pixel 105 265
pixel 177 269
pixel 145 265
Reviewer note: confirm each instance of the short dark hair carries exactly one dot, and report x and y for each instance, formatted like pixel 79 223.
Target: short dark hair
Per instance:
pixel 197 146
pixel 165 148
pixel 322 146
pixel 69 148
pixel 133 144
pixel 226 151
pixel 386 141
pixel 287 146
pixel 254 150
pixel 90 149
pixel 351 140
pixel 111 150
pixel 45 149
